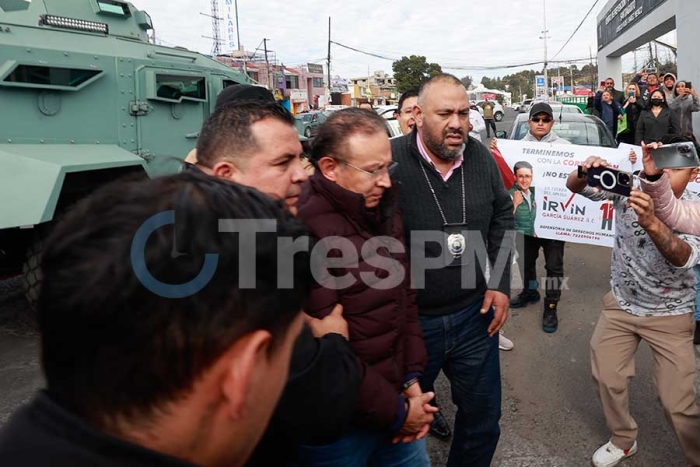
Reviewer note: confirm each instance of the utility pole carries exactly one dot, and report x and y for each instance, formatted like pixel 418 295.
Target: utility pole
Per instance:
pixel 328 63
pixel 544 36
pixel 238 29
pixel 571 68
pixel 267 66
pixel 590 55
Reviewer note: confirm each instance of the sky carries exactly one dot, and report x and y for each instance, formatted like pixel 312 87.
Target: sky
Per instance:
pixel 457 35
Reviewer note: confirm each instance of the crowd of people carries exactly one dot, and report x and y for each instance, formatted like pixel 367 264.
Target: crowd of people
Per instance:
pixel 648 109
pixel 173 332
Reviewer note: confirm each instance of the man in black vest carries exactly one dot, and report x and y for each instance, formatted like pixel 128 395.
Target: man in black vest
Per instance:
pixel 453 200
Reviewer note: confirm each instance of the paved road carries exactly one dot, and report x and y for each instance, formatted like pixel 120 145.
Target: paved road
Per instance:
pixel 551 414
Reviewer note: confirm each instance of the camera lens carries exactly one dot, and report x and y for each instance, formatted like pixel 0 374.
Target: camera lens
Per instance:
pixel 683 149
pixel 623 179
pixel 608 180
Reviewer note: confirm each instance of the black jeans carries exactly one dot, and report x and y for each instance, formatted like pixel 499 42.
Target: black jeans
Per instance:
pixel 553 264
pixel 490 123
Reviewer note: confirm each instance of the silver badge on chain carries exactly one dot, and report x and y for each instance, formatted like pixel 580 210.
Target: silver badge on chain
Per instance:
pixel 456 244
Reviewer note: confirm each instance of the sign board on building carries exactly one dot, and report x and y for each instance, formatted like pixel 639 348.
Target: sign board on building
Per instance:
pixel 621 16
pixel 314 68
pixel 539 81
pixel 557 81
pixel 229 28
pixel 298 95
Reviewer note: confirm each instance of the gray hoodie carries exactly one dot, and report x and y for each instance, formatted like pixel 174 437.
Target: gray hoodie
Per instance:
pixel 682 109
pixel 669 94
pixel 551 137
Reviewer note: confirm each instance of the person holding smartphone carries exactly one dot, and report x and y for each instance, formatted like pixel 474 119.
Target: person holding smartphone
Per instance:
pixel 680 215
pixel 684 104
pixel 632 108
pixel 655 122
pixel 608 107
pixel 652 298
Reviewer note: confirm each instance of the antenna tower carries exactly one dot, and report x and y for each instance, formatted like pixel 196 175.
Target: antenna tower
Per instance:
pixel 215 28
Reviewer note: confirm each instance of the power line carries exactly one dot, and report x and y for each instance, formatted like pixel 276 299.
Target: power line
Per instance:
pixel 462 67
pixel 577 28
pixel 363 52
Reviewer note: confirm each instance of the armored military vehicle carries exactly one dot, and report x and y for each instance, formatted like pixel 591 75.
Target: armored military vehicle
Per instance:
pixel 85 98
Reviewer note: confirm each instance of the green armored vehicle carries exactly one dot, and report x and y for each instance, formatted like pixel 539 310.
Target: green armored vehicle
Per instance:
pixel 86 98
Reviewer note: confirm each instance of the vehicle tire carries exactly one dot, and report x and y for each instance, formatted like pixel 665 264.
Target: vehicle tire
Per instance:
pixel 31 270
pixel 498 116
pixel 307 132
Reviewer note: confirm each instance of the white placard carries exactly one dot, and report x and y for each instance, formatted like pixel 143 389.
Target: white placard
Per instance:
pixel 561 214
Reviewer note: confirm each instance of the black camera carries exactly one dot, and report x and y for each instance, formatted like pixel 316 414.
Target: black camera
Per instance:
pixel 608 179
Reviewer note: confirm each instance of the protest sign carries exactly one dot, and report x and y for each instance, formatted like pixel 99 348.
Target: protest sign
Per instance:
pixel 561 214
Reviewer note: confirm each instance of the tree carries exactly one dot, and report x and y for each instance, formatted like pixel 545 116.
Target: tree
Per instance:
pixel 467 81
pixel 411 72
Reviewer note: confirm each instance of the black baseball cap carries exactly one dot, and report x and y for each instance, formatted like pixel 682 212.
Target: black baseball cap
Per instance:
pixel 541 108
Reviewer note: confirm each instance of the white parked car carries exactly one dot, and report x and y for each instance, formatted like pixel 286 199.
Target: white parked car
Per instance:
pixel 386 111
pixel 498 112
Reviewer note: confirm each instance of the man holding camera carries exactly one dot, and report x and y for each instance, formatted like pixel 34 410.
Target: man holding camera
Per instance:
pixel 652 299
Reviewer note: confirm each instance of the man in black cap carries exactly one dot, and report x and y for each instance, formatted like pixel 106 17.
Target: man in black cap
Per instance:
pixel 541 122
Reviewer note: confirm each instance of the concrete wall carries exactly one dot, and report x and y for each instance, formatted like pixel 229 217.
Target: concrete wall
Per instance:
pixel 682 15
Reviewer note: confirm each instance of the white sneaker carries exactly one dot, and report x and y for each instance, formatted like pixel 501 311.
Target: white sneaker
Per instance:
pixel 609 455
pixel 503 342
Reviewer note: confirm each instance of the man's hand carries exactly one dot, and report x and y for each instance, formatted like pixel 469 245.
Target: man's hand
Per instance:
pixel 518 199
pixel 501 303
pixel 595 161
pixel 413 390
pixel 493 145
pixel 420 416
pixel 693 92
pixel 334 323
pixel 648 161
pixel 643 205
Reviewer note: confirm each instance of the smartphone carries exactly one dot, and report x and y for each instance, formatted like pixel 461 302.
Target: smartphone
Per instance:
pixel 689 85
pixel 602 84
pixel 630 94
pixel 608 179
pixel 676 156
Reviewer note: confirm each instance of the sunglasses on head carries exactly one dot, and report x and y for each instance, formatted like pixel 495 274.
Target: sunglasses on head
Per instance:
pixel 541 119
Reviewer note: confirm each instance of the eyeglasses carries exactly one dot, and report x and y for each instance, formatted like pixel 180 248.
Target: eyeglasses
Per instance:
pixel 390 169
pixel 541 119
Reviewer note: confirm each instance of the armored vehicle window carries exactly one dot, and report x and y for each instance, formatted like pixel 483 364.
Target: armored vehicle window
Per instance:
pixel 175 88
pixel 50 76
pixel 116 8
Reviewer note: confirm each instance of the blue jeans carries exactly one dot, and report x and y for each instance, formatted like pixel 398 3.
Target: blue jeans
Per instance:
pixel 697 285
pixel 459 345
pixel 363 448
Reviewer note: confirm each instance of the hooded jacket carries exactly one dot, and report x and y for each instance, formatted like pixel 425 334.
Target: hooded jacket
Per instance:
pixel 682 109
pixel 670 96
pixel 683 216
pixel 384 329
pixel 550 137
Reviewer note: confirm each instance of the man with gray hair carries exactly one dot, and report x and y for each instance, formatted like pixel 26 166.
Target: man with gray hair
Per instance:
pixel 450 183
